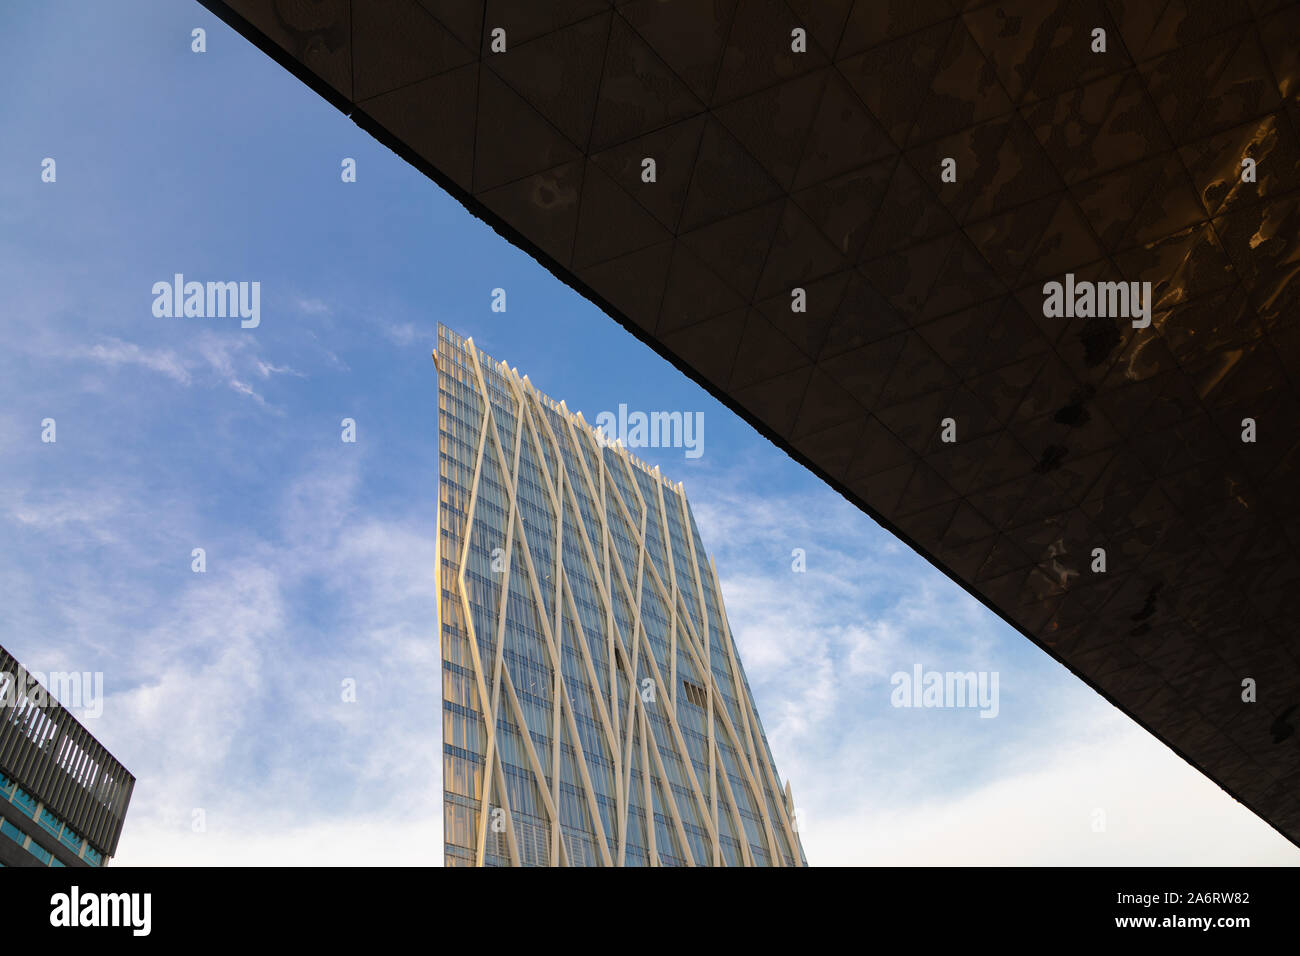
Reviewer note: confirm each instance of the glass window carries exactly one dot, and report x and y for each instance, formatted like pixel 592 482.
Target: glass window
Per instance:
pixel 24 799
pixel 70 840
pixel 12 832
pixel 50 822
pixel 40 853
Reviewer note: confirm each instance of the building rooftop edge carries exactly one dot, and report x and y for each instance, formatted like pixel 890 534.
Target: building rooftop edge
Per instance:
pixel 560 408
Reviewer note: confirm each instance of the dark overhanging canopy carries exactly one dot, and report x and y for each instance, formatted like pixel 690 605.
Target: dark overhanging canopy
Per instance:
pixel 821 170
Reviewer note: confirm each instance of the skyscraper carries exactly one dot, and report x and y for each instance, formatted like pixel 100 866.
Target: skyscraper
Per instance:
pixel 63 798
pixel 595 712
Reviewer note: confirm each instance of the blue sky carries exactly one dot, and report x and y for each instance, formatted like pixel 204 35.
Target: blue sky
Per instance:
pixel 223 688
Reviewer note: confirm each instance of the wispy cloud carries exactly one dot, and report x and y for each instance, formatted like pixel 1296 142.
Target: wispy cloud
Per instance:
pixel 311 306
pixel 226 690
pixel 207 358
pixel 228 356
pixel 115 353
pixel 89 511
pixel 406 333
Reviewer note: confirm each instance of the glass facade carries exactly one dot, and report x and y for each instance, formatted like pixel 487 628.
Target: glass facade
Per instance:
pixel 15 801
pixel 595 712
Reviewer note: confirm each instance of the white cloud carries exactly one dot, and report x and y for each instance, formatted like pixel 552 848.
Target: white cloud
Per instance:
pixel 1156 810
pixel 229 359
pixel 311 306
pixel 411 837
pixel 224 690
pixel 227 355
pixel 405 333
pixel 115 352
pixel 51 507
